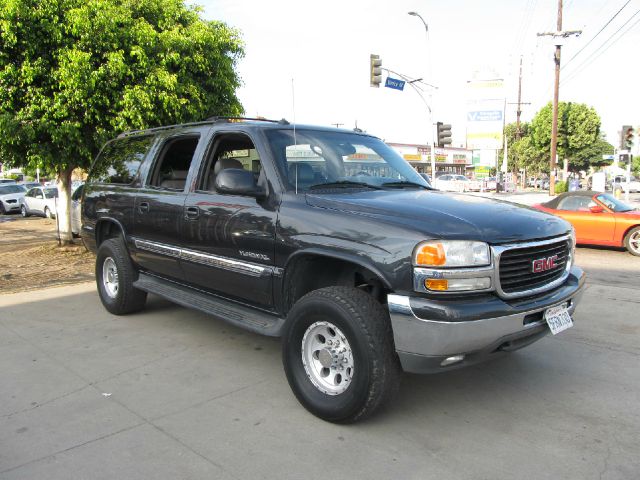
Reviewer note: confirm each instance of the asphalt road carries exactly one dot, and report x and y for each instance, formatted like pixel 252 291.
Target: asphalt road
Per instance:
pixel 174 394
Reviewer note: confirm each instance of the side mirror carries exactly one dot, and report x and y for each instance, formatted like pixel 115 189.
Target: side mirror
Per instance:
pixel 235 181
pixel 596 209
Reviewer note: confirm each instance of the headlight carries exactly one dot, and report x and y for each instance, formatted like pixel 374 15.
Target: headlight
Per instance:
pixel 451 253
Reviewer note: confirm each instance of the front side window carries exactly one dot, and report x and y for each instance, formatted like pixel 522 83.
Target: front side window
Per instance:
pixel 575 204
pixel 326 160
pixel 230 150
pixel 120 160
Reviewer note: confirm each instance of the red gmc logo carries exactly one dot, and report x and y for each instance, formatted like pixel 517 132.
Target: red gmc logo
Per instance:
pixel 544 264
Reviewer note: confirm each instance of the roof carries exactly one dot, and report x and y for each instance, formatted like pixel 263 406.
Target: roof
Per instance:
pixel 243 122
pixel 553 203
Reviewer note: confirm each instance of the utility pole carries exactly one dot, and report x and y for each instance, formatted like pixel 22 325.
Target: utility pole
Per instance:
pixel 519 104
pixel 556 88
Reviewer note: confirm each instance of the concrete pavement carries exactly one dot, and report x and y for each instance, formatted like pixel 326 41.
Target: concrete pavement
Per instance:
pixel 173 394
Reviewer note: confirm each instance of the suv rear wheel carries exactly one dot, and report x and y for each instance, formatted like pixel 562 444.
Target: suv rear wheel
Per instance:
pixel 338 354
pixel 115 275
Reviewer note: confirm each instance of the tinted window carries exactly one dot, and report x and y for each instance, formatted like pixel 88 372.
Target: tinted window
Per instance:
pixel 120 160
pixel 576 203
pixel 173 164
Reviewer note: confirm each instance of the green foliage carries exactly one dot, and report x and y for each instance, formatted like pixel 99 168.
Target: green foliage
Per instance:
pixel 578 132
pixel 561 186
pixel 74 73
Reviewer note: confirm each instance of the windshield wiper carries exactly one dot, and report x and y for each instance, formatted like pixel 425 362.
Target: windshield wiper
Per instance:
pixel 343 183
pixel 406 184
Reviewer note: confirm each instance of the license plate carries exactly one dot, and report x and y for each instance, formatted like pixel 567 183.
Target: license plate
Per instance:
pixel 558 319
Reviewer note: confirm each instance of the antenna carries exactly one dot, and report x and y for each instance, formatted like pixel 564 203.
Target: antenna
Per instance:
pixel 295 141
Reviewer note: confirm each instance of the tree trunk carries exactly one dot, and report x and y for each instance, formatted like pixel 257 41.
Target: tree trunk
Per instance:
pixel 63 207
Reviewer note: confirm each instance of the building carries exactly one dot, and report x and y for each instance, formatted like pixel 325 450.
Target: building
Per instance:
pixel 447 159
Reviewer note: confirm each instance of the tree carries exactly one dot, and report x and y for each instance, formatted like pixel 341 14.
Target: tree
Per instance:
pixel 74 73
pixel 592 155
pixel 578 131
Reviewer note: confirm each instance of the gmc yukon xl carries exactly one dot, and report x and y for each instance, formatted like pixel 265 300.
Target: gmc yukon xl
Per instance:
pixel 330 240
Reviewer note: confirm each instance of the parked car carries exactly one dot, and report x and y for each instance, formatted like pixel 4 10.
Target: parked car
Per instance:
pixel 426 178
pixel 29 185
pixel 273 228
pixel 598 219
pixel 76 203
pixel 456 183
pixel 10 195
pixel 4 181
pixel 39 201
pixel 620 181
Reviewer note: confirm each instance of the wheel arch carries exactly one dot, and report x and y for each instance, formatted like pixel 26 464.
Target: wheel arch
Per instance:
pixel 329 268
pixel 108 228
pixel 626 232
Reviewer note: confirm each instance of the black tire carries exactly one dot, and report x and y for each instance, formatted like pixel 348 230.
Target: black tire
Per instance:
pixel 48 214
pixel 24 212
pixel 122 297
pixel 3 211
pixel 632 241
pixel 367 328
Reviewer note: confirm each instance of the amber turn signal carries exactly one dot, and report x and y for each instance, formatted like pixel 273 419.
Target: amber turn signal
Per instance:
pixel 439 285
pixel 431 254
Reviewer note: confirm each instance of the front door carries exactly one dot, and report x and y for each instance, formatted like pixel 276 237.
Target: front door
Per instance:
pixel 229 240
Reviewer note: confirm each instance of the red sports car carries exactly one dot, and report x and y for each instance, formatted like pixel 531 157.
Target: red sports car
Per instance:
pixel 598 218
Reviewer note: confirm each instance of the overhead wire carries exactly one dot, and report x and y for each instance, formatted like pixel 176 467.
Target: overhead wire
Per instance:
pixel 596 35
pixel 591 58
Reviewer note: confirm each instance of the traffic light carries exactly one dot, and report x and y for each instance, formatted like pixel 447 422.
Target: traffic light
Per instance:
pixel 624 134
pixel 623 159
pixel 375 70
pixel 444 134
pixel 628 138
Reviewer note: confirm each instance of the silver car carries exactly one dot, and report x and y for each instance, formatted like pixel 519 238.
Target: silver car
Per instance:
pixel 10 195
pixel 39 201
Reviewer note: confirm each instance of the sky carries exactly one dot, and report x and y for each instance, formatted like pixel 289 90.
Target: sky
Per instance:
pixel 309 61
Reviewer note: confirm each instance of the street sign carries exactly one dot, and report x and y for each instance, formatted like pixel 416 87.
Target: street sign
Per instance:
pixel 394 83
pixel 608 157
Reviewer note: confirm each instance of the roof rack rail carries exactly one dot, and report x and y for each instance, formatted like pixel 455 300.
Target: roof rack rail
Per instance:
pixel 157 129
pixel 223 119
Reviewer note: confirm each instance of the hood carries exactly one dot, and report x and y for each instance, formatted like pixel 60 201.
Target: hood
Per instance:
pixel 451 216
pixel 11 196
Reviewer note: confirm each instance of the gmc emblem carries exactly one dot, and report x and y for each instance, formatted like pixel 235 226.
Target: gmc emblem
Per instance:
pixel 544 264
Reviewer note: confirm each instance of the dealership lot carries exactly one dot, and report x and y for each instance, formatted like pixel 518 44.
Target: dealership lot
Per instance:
pixel 171 393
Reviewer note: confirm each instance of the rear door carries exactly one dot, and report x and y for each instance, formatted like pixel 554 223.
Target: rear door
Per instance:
pixel 229 240
pixel 159 203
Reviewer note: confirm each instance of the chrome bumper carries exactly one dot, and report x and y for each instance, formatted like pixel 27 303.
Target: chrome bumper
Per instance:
pixel 423 344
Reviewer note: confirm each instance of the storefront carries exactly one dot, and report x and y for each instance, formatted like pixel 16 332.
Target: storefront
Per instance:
pixel 447 160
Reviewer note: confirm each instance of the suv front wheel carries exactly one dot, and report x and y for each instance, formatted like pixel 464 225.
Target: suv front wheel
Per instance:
pixel 338 354
pixel 115 275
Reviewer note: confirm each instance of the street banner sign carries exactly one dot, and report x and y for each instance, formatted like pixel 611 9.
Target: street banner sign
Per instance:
pixel 485 114
pixel 394 83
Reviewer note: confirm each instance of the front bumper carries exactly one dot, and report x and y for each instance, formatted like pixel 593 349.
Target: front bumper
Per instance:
pixel 427 332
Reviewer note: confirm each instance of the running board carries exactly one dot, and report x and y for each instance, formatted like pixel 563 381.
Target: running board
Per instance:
pixel 233 313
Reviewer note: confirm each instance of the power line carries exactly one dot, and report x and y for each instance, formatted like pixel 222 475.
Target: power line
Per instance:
pixel 596 35
pixel 591 58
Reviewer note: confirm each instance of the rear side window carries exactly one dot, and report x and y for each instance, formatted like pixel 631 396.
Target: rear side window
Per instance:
pixel 120 160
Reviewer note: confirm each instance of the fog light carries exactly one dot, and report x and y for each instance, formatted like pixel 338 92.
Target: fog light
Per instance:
pixel 451 360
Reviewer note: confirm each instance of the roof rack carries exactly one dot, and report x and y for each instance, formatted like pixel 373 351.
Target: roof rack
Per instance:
pixel 223 119
pixel 205 122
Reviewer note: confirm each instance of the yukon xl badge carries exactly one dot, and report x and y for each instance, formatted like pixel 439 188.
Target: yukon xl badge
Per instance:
pixel 544 264
pixel 257 256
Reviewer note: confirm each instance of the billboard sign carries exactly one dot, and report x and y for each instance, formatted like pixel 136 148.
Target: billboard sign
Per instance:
pixel 485 114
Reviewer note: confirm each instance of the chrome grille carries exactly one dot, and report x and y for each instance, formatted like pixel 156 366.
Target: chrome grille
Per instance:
pixel 516 266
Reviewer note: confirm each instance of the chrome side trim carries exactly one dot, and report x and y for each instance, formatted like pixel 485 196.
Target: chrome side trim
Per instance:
pixel 222 262
pixel 156 247
pixel 498 250
pixel 225 263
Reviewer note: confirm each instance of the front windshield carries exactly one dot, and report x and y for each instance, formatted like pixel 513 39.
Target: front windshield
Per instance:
pixel 5 189
pixel 51 193
pixel 322 160
pixel 613 203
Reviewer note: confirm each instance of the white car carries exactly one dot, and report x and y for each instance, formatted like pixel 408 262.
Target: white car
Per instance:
pixel 10 195
pixel 76 203
pixel 620 181
pixel 39 201
pixel 456 183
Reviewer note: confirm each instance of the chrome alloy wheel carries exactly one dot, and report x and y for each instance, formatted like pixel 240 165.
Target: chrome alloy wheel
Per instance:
pixel 110 277
pixel 634 242
pixel 327 358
